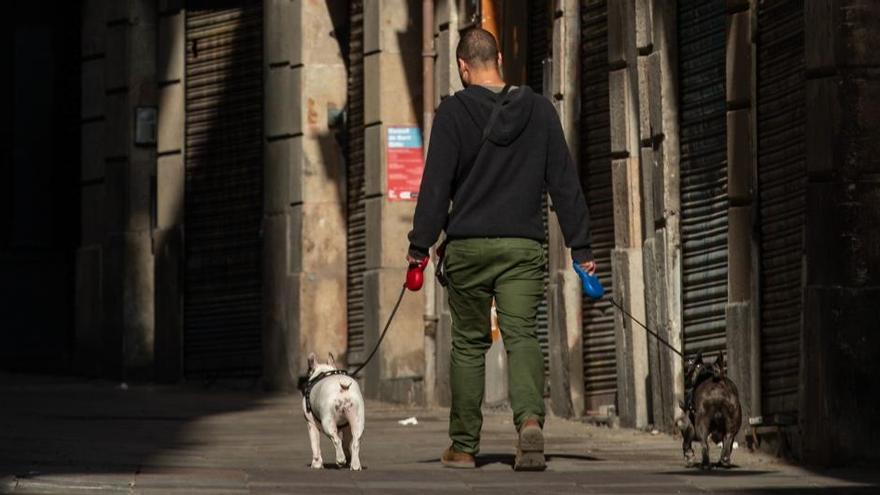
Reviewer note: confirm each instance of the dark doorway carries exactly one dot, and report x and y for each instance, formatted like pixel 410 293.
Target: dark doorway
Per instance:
pixel 39 185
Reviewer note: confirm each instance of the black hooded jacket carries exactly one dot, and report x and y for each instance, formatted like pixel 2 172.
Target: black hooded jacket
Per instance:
pixel 501 196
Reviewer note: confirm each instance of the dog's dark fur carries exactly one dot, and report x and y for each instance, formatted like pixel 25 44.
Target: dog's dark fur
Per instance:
pixel 711 410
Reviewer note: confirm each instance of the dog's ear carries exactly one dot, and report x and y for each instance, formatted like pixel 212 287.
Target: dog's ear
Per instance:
pixel 718 367
pixel 332 361
pixel 312 360
pixel 699 358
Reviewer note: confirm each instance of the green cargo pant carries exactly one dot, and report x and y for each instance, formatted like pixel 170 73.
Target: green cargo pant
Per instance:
pixel 511 271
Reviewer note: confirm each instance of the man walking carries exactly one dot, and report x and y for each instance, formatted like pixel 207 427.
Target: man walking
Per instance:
pixel 492 152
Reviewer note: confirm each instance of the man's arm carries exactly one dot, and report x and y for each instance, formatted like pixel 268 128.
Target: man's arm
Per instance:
pixel 432 208
pixel 565 190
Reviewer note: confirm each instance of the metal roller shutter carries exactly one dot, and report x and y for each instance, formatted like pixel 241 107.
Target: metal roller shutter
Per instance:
pixel 701 41
pixel 539 28
pixel 356 212
pixel 600 358
pixel 781 189
pixel 224 184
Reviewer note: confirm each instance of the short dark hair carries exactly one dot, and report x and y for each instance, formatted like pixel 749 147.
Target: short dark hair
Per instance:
pixel 477 47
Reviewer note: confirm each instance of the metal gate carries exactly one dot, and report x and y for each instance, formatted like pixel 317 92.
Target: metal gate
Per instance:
pixel 224 190
pixel 539 28
pixel 600 358
pixel 701 43
pixel 781 190
pixel 356 212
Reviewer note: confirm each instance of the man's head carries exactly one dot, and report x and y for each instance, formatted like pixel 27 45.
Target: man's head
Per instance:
pixel 477 55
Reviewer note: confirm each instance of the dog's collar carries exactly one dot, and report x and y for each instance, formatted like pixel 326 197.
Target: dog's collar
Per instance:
pixel 307 392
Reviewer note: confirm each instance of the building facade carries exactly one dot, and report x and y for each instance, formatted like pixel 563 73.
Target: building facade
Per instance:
pixel 239 205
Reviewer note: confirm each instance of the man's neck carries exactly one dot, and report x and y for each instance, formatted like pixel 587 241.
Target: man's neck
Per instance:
pixel 487 78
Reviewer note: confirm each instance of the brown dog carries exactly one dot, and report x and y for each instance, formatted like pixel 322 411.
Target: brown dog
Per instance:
pixel 711 410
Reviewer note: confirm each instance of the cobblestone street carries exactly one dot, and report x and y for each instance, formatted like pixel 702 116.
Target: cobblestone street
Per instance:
pixel 66 436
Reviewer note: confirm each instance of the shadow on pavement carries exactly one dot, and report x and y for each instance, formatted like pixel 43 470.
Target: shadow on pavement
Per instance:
pixel 719 472
pixel 508 459
pixel 837 490
pixel 56 425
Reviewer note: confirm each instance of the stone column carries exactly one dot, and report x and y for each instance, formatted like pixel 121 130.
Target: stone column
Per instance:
pixel 127 254
pixel 564 293
pixel 626 258
pixel 304 244
pixel 656 43
pixel 741 179
pixel 392 97
pixel 89 257
pixel 447 83
pixel 170 186
pixel 840 343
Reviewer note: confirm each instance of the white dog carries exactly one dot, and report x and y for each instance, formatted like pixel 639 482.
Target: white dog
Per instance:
pixel 332 401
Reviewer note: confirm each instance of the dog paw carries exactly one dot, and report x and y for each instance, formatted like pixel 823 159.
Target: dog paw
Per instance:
pixel 725 463
pixel 317 464
pixel 355 467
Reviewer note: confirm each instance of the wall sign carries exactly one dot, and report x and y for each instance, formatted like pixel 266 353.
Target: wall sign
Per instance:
pixel 404 162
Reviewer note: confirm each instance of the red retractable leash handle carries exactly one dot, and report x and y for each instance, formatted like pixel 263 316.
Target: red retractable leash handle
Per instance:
pixel 415 278
pixel 415 274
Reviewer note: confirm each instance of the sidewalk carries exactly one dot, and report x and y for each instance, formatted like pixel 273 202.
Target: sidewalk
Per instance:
pixel 61 435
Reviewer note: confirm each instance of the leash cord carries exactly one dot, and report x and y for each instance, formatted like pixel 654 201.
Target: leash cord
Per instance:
pixel 403 291
pixel 384 331
pixel 656 336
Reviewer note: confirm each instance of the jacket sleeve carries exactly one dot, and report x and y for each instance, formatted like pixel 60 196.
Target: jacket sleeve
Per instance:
pixel 561 178
pixel 432 208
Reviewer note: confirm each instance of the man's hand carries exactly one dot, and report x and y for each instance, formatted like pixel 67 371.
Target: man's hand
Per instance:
pixel 589 267
pixel 412 261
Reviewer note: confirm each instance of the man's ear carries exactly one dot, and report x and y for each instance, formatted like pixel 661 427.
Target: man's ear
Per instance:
pixel 500 59
pixel 332 361
pixel 312 360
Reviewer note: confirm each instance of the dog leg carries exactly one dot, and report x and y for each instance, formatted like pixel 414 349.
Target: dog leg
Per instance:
pixel 687 447
pixel 726 450
pixel 703 435
pixel 315 439
pixel 333 432
pixel 356 420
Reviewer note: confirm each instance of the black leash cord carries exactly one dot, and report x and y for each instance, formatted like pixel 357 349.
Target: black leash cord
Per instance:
pixel 403 291
pixel 384 331
pixel 631 317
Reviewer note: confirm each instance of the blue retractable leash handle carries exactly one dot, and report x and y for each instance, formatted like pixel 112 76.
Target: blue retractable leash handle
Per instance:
pixel 593 288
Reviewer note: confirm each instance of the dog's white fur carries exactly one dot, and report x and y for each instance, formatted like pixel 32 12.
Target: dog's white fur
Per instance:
pixel 337 405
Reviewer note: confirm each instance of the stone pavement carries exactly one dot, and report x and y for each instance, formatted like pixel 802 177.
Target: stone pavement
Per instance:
pixel 62 435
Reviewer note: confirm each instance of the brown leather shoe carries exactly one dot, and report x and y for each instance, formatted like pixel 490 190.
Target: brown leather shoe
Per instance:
pixel 458 460
pixel 530 447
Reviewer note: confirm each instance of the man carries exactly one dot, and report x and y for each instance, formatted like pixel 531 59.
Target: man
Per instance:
pixel 493 150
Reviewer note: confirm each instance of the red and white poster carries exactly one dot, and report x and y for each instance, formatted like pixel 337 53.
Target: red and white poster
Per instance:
pixel 404 161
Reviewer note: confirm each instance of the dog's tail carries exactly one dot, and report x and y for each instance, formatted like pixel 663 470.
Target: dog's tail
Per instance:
pixel 344 386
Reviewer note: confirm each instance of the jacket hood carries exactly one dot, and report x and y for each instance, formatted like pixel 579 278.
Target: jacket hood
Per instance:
pixel 516 109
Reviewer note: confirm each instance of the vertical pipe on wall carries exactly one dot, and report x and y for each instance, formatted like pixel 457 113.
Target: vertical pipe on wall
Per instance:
pixel 428 55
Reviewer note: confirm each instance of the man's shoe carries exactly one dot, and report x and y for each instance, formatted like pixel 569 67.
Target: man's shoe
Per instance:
pixel 530 448
pixel 458 460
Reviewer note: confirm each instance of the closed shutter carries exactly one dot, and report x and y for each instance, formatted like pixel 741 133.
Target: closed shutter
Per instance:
pixel 539 27
pixel 356 212
pixel 781 189
pixel 224 184
pixel 701 38
pixel 600 358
